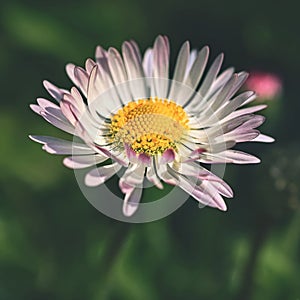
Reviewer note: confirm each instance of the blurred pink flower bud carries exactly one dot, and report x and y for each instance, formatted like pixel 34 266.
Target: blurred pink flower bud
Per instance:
pixel 266 85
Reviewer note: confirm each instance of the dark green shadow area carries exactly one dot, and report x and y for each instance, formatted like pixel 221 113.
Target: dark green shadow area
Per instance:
pixel 55 245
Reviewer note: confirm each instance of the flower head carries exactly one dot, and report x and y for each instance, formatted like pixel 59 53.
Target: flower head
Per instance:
pixel 266 85
pixel 163 129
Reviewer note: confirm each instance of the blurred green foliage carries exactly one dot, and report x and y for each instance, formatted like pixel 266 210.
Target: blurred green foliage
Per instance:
pixel 55 245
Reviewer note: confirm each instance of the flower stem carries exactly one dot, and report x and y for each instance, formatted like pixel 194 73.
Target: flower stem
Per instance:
pixel 260 236
pixel 110 257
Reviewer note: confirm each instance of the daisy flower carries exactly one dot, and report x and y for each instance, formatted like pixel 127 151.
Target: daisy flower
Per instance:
pixel 156 127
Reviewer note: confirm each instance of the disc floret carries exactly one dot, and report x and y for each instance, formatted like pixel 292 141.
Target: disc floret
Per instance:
pixel 149 126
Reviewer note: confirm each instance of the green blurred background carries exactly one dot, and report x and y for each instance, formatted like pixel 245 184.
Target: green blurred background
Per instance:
pixel 55 245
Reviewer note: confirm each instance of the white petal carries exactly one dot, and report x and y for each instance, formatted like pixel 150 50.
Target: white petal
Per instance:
pixel 240 136
pixel 227 88
pixel 44 103
pixel 197 69
pixel 204 193
pixel 222 96
pixel 163 173
pixel 77 100
pixel 220 145
pixel 253 122
pixel 232 156
pixel 52 114
pixel 83 161
pixel 99 175
pixel 82 79
pixel 191 169
pixel 70 71
pixel 192 57
pixel 148 62
pixel 144 159
pixel 93 91
pixel 167 157
pixel 108 100
pixel 152 177
pixel 65 148
pixel 57 113
pixel 60 146
pixel 264 139
pixel 134 70
pixel 223 188
pixel 216 199
pixel 193 78
pixel 220 81
pixel 211 75
pixel 66 108
pixel 79 76
pixel 229 125
pixel 136 50
pixel 234 104
pixel 180 69
pixel 244 111
pixel 36 108
pixel 120 160
pixel 89 65
pixel 161 67
pixel 101 58
pixel 80 118
pixel 131 201
pixel 133 176
pixel 65 126
pixel 119 75
pixel 53 90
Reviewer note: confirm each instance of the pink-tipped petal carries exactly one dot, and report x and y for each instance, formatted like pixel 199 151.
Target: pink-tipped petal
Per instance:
pixel 70 68
pixel 84 161
pixel 99 175
pixel 92 90
pixel 196 154
pixel 101 58
pixel 131 202
pixel 161 65
pixel 106 152
pixel 89 65
pixel 131 154
pixel 125 187
pixel 144 159
pixel 211 74
pixel 239 157
pixel 65 107
pixel 36 108
pixel 44 103
pixel 65 126
pixel 168 156
pixel 152 177
pixel 82 79
pixel 223 188
pixel 147 62
pixel 53 90
pixel 134 177
pixel 163 173
pixel 60 146
pixel 263 139
pixel 204 193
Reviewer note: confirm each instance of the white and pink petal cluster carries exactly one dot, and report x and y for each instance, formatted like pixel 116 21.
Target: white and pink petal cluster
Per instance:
pixel 217 120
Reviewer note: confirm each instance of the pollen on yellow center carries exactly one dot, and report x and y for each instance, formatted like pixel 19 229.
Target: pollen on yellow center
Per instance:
pixel 149 126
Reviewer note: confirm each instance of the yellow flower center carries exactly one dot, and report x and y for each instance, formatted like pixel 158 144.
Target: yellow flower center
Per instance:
pixel 149 126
